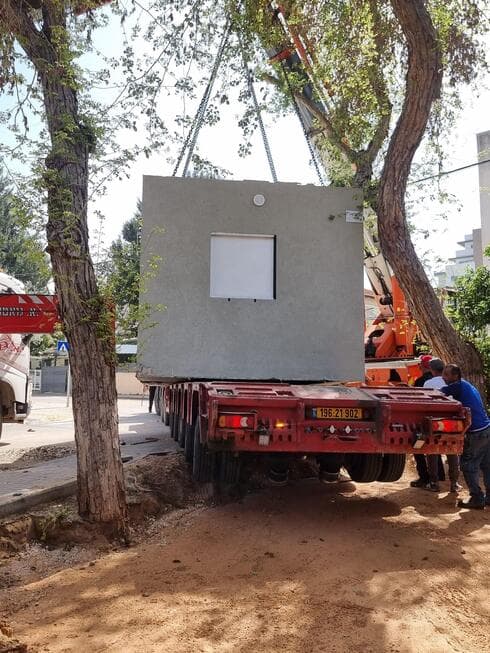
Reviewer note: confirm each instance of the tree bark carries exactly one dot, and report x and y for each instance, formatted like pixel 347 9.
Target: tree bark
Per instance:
pixel 86 320
pixel 423 83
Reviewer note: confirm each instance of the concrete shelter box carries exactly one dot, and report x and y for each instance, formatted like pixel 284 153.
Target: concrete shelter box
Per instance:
pixel 255 281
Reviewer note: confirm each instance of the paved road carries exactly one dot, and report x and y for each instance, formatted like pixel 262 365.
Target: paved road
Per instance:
pixel 51 422
pixel 50 426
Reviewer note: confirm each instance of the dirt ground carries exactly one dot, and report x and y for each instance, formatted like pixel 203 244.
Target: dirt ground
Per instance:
pixel 307 568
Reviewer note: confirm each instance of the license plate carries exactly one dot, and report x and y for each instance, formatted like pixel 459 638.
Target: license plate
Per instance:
pixel 336 413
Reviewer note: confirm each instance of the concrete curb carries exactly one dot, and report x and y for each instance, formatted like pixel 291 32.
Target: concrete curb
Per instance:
pixel 60 491
pixel 22 504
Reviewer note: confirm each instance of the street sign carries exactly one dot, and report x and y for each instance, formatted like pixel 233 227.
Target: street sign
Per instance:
pixel 62 346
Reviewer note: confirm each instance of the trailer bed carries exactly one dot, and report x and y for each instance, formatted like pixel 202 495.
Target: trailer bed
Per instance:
pixel 244 416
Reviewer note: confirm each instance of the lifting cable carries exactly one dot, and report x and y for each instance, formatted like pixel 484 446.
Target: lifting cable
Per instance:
pixel 258 113
pixel 193 133
pixel 307 136
pixel 191 139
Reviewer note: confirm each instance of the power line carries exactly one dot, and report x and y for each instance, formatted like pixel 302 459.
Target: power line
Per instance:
pixel 449 172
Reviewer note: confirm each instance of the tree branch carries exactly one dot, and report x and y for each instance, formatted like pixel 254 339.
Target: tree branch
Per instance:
pixel 423 85
pixel 378 84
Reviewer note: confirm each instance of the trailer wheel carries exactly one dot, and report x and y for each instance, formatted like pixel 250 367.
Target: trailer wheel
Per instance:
pixel 203 460
pixel 173 424
pixel 158 400
pixel 364 468
pixel 229 469
pixel 181 432
pixel 392 468
pixel 189 443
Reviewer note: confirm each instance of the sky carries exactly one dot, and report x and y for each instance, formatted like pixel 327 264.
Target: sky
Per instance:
pixel 292 163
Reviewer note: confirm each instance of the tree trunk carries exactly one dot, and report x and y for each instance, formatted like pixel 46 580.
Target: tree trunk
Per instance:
pixel 423 82
pixel 86 320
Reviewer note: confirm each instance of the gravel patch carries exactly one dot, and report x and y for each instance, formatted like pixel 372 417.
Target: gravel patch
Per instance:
pixel 13 458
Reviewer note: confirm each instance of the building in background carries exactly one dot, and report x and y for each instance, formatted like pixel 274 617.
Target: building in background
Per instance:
pixel 483 145
pixel 464 259
pixel 471 255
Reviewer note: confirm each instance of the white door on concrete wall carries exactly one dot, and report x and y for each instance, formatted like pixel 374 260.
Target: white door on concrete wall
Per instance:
pixel 242 266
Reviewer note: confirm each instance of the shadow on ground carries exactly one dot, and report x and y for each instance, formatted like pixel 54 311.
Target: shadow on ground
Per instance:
pixel 304 568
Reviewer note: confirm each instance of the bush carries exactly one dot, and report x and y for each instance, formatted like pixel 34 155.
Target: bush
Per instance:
pixel 469 310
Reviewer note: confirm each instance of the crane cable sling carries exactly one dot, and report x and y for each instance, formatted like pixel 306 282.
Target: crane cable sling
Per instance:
pixel 314 159
pixel 191 139
pixel 258 113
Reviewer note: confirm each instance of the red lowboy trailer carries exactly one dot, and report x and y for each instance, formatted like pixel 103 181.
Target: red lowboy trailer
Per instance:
pixel 367 430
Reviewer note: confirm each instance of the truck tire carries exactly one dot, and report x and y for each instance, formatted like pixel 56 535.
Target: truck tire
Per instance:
pixel 203 460
pixel 158 401
pixel 174 425
pixel 229 468
pixel 189 443
pixel 364 467
pixel 392 468
pixel 181 432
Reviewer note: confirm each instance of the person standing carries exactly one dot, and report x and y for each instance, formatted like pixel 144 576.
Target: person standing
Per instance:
pixel 423 481
pixel 476 450
pixel 436 382
pixel 426 372
pixel 434 461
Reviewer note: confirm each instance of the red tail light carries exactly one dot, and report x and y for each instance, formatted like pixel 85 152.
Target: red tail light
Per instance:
pixel 448 425
pixel 228 421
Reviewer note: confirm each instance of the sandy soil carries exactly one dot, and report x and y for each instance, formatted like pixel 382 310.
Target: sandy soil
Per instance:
pixel 304 568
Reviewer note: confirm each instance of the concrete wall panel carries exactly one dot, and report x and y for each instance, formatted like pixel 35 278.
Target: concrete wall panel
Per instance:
pixel 312 330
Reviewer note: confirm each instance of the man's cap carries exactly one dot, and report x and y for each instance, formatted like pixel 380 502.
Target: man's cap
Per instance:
pixel 426 359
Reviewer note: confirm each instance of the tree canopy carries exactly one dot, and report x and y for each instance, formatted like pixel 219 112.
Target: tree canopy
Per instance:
pixel 469 309
pixel 471 302
pixel 121 274
pixel 22 248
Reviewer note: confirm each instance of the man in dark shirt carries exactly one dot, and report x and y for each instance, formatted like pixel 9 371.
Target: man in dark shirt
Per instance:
pixel 476 450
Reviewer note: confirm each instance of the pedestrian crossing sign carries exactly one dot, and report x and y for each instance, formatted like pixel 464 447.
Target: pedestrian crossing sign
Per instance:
pixel 62 346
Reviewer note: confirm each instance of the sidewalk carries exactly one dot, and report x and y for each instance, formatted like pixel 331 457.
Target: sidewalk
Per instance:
pixel 51 422
pixel 141 434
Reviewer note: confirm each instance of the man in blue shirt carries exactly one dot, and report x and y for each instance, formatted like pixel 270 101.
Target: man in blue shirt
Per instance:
pixel 476 450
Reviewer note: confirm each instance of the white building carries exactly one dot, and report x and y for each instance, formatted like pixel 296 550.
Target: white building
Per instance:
pixel 483 144
pixel 463 260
